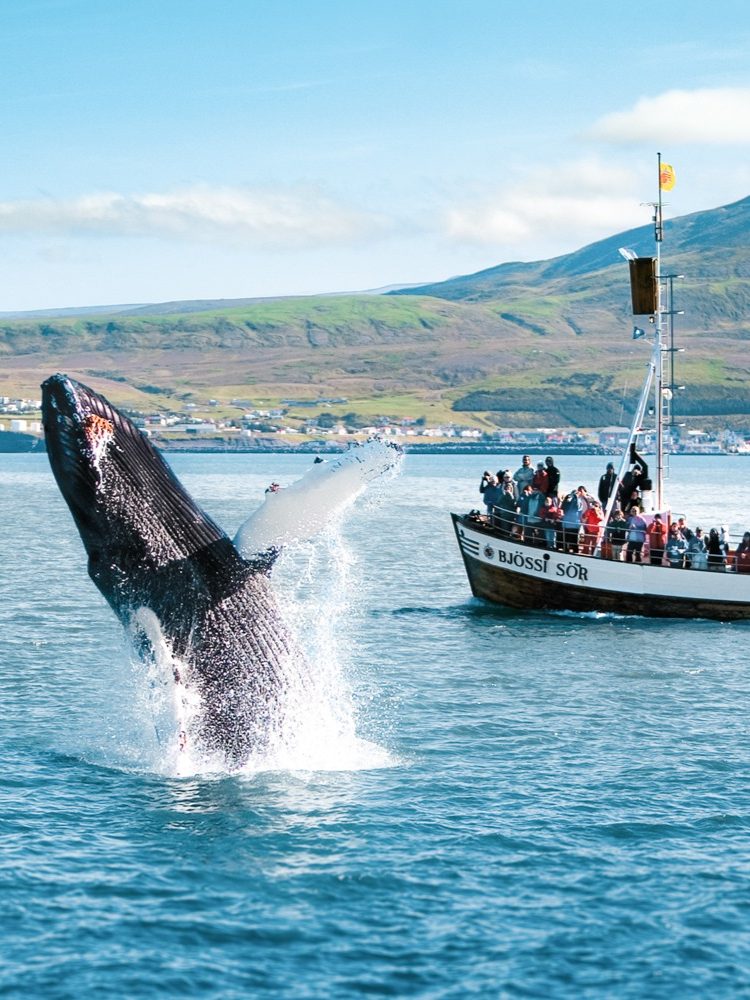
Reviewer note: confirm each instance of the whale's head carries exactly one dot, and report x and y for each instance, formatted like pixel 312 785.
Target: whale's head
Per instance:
pixel 80 430
pixel 132 513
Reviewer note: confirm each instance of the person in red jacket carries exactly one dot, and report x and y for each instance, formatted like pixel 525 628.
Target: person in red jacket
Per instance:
pixel 551 516
pixel 657 539
pixel 541 479
pixel 591 519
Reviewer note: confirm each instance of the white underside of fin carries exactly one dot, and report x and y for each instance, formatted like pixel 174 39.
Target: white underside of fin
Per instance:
pixel 301 510
pixel 173 703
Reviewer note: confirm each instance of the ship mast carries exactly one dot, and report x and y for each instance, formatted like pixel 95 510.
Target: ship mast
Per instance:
pixel 659 347
pixel 647 292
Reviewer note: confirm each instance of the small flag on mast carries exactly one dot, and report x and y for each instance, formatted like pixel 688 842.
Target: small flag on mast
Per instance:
pixel 666 177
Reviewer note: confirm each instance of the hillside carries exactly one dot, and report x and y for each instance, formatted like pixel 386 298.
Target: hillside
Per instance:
pixel 713 242
pixel 541 343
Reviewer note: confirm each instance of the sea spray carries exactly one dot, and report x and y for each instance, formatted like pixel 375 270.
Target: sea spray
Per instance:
pixel 173 702
pixel 318 587
pixel 315 728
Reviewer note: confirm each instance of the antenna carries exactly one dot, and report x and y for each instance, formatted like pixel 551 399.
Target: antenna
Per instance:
pixel 658 218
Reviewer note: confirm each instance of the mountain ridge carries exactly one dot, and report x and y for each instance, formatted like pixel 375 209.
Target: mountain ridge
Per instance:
pixel 519 344
pixel 723 226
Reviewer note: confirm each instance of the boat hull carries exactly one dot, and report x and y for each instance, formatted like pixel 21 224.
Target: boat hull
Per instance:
pixel 522 576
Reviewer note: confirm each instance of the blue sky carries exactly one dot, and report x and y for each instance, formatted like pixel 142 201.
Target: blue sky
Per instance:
pixel 176 149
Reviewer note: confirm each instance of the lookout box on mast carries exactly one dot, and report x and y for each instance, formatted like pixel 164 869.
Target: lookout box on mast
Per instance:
pixel 643 287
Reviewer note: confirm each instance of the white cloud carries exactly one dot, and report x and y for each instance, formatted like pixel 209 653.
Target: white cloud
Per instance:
pixel 718 116
pixel 568 205
pixel 231 215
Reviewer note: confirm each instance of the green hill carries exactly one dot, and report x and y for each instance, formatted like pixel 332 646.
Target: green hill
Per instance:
pixel 541 343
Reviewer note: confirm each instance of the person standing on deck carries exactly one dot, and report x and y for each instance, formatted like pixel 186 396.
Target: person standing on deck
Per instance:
pixel 541 479
pixel 676 548
pixel 717 551
pixel 636 535
pixel 607 485
pixel 684 530
pixel 553 476
pixel 697 557
pixel 635 482
pixel 591 520
pixel 742 554
pixel 491 491
pixel 506 480
pixel 571 521
pixel 585 499
pixel 528 505
pixel 551 517
pixel 523 475
pixel 507 511
pixel 657 539
pixel 617 530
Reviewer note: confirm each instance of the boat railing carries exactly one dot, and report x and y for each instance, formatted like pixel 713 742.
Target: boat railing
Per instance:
pixel 507 526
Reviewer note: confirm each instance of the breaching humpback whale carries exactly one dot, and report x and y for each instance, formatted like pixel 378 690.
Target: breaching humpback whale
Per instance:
pixel 172 575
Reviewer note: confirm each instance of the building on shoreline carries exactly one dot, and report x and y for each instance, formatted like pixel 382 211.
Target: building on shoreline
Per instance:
pixel 271 429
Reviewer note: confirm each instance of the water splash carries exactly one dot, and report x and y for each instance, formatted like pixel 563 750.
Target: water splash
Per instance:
pixel 591 615
pixel 317 582
pixel 316 728
pixel 319 731
pixel 173 704
pixel 313 728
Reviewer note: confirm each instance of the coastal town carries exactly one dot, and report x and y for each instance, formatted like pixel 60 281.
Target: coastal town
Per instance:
pixel 272 429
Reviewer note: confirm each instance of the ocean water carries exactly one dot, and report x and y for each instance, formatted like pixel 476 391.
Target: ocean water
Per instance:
pixel 481 803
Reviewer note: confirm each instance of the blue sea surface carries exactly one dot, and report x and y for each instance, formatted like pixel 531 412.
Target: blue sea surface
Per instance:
pixel 485 803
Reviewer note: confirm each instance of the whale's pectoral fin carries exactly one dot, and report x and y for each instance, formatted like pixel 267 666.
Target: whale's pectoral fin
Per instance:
pixel 301 510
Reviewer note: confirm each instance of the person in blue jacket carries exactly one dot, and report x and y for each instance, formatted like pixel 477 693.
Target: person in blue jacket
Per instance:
pixel 636 535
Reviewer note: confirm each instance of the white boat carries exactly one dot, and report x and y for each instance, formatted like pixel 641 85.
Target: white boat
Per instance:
pixel 532 573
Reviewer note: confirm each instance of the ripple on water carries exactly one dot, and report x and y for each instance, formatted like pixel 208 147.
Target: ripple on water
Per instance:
pixel 480 803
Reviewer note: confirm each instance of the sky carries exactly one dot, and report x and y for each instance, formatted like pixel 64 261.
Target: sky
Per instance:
pixel 161 150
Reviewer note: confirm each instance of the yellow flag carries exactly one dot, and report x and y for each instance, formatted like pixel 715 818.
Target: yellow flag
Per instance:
pixel 666 177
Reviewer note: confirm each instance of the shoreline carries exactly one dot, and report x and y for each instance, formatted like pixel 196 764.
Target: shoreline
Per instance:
pixel 14 442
